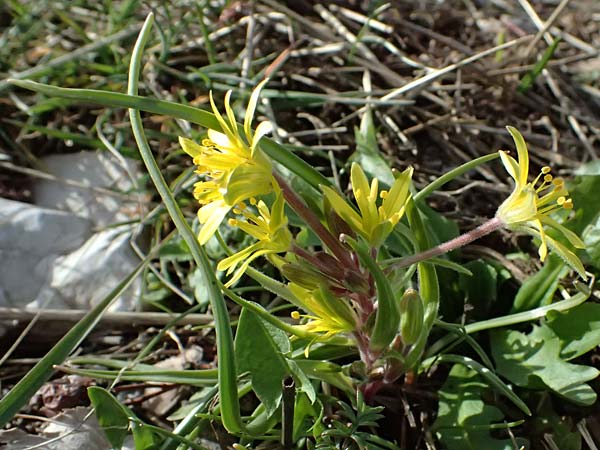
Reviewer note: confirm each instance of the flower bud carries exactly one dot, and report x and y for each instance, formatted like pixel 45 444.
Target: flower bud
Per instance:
pixel 411 316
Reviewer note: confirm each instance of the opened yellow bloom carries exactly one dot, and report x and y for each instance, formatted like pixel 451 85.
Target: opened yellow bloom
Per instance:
pixel 375 219
pixel 328 314
pixel 268 227
pixel 529 205
pixel 233 166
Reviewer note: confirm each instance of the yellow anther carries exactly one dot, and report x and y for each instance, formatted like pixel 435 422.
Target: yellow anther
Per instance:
pixel 568 204
pixel 232 222
pixel 236 211
pixel 561 200
pixel 241 206
pixel 558 182
pixel 548 178
pixel 383 194
pixel 252 201
pixel 546 170
pixel 207 143
pixel 295 315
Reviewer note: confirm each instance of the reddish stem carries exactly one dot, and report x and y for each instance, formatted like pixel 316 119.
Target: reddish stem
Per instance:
pixel 314 223
pixel 460 241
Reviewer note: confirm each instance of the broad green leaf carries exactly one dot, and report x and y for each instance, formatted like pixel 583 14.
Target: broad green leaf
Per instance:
pixel 259 350
pixel 440 228
pixel 112 416
pixel 490 377
pixel 307 417
pixel 464 421
pixel 534 361
pixel 578 329
pixel 117 420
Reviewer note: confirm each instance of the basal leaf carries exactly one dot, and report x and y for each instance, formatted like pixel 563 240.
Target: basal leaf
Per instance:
pixel 259 350
pixel 534 361
pixel 464 421
pixel 578 329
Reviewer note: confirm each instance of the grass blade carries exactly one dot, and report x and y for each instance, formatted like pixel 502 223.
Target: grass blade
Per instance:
pixel 195 115
pixel 20 394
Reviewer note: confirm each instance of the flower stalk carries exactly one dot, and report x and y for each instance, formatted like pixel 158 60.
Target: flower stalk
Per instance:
pixel 459 241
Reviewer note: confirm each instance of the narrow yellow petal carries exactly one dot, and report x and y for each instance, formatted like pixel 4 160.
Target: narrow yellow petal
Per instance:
pixel 251 109
pixel 510 164
pixel 522 153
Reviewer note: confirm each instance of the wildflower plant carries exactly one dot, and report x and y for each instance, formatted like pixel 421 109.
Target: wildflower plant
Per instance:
pixel 355 294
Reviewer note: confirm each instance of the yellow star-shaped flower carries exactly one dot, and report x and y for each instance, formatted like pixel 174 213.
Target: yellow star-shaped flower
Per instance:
pixel 529 205
pixel 375 220
pixel 234 167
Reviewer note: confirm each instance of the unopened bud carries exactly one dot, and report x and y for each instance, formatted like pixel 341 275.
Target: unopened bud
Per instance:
pixel 411 316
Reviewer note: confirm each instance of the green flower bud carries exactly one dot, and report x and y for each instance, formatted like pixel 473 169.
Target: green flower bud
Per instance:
pixel 411 318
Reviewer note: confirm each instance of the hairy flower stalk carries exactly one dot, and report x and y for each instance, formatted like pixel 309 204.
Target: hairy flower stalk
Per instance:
pixel 527 209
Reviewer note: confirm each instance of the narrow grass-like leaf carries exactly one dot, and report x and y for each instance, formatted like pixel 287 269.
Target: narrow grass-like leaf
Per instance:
pixel 206 377
pixel 452 174
pixel 195 115
pixel 530 76
pixel 20 394
pixel 230 410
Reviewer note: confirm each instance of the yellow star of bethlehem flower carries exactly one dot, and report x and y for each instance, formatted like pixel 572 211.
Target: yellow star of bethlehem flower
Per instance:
pixel 529 205
pixel 233 166
pixel 374 222
pixel 269 227
pixel 328 314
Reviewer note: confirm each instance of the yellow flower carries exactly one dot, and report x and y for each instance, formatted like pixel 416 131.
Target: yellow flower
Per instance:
pixel 269 227
pixel 328 314
pixel 234 167
pixel 529 205
pixel 373 222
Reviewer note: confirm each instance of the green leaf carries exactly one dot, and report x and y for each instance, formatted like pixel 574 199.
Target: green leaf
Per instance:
pixel 20 394
pixel 387 317
pixel 534 361
pixel 490 377
pixel 367 152
pixel 539 289
pixel 481 288
pixel 464 421
pixel 529 77
pixel 578 329
pixel 117 420
pixel 192 114
pixel 112 416
pixel 259 350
